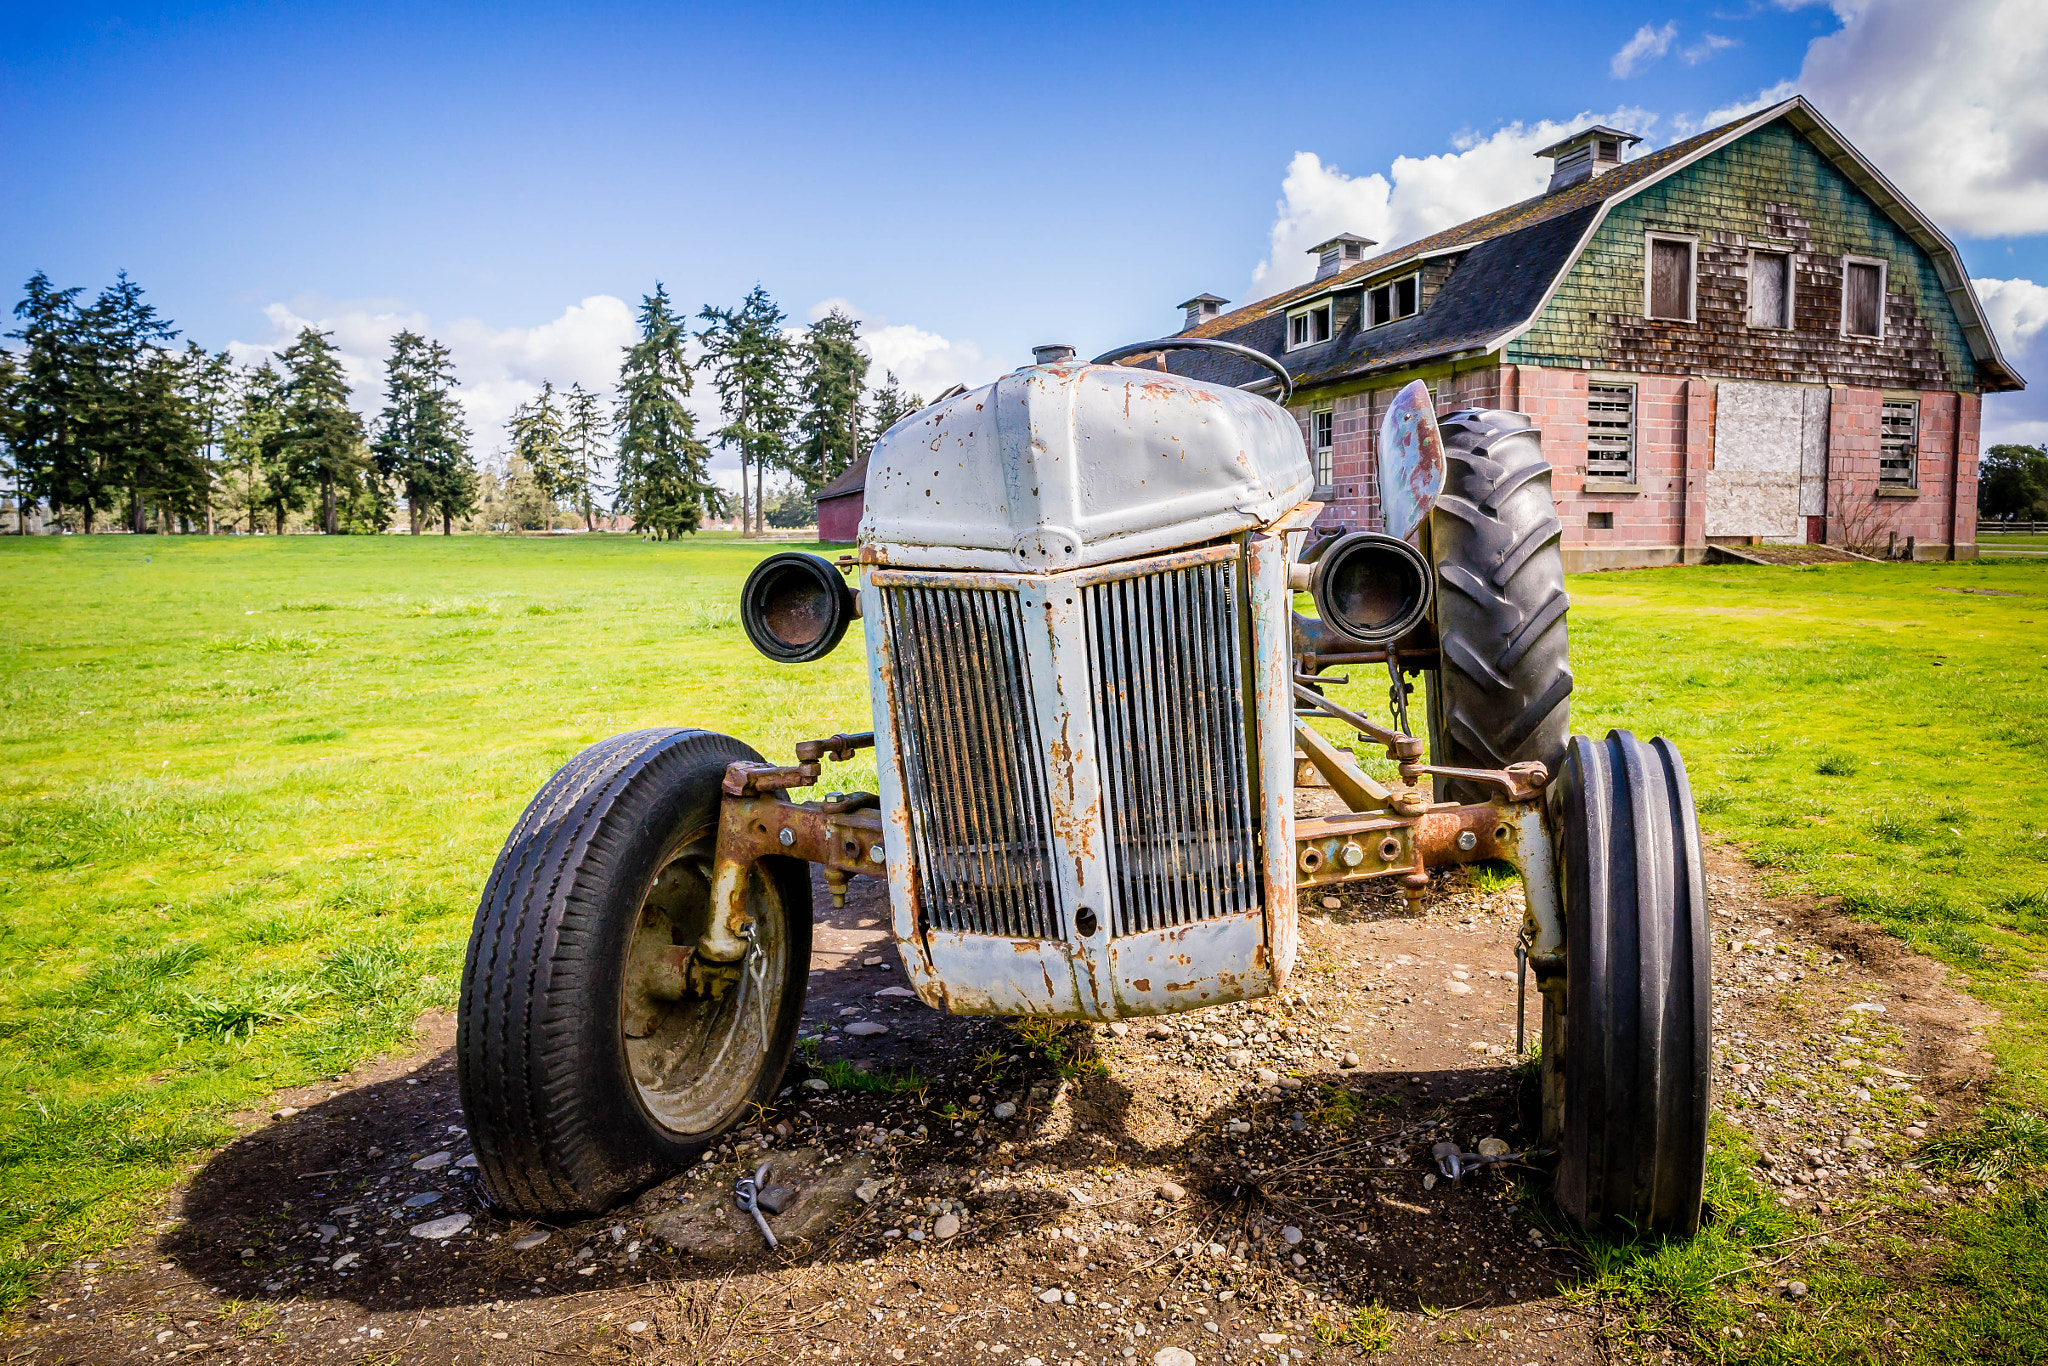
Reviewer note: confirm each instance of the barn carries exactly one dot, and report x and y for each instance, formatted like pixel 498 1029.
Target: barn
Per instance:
pixel 1747 338
pixel 839 505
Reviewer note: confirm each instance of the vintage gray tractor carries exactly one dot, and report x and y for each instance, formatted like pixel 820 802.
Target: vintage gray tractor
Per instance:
pixel 1089 687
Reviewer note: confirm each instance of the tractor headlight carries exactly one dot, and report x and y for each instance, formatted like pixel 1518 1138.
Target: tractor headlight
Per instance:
pixel 1371 587
pixel 796 607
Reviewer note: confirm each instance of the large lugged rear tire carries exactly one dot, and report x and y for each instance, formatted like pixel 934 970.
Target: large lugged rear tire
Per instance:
pixel 1501 693
pixel 577 1090
pixel 1634 1043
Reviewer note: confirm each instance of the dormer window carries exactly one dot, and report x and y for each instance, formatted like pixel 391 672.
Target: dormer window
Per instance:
pixel 1309 326
pixel 1393 301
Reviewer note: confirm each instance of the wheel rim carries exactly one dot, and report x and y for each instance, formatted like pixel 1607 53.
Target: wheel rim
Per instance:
pixel 695 1050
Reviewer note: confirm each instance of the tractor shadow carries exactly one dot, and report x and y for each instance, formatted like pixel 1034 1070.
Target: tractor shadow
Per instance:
pixel 326 1201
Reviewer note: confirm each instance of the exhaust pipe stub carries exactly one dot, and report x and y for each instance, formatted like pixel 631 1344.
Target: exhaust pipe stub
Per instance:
pixel 1371 587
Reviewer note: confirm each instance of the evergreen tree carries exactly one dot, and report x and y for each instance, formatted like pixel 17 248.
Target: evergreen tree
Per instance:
pixel 422 443
pixel 210 390
pixel 266 481
pixel 50 442
pixel 321 438
pixel 583 436
pixel 889 407
pixel 662 481
pixel 539 443
pixel 130 402
pixel 751 365
pixel 10 427
pixel 834 373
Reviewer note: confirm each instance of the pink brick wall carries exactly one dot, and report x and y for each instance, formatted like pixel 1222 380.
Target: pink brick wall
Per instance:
pixel 1664 519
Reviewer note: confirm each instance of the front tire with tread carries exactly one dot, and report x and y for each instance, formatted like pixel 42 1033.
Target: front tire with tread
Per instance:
pixel 559 1123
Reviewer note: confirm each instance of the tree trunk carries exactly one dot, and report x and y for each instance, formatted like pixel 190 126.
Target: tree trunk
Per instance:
pixel 412 513
pixel 280 519
pixel 447 522
pixel 329 521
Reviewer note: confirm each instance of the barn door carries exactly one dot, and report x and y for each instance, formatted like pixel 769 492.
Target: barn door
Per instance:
pixel 1770 460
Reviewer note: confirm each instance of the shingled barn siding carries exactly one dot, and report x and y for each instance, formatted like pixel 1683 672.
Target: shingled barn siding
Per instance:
pixel 1770 191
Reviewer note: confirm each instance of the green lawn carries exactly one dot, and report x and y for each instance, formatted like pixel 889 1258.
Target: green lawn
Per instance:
pixel 252 787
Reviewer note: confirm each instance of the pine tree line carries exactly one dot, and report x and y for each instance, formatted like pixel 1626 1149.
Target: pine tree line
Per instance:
pixel 103 417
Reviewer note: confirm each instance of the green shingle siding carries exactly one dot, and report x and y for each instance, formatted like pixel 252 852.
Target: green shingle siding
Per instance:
pixel 1769 190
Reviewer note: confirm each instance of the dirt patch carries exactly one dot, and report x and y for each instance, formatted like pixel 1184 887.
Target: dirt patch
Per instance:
pixel 1232 1183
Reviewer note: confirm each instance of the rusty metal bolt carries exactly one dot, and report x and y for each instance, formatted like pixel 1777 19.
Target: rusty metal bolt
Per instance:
pixel 875 854
pixel 788 837
pixel 1467 841
pixel 1351 854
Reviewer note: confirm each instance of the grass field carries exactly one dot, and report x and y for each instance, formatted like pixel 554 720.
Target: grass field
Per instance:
pixel 252 788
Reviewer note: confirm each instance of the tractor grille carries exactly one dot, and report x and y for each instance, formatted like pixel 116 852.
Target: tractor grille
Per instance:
pixel 972 761
pixel 1167 658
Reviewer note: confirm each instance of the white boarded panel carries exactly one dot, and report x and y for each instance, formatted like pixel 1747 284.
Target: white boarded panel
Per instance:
pixel 1813 455
pixel 1759 436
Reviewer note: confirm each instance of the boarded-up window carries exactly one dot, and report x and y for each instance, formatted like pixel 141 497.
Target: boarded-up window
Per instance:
pixel 1611 432
pixel 1900 453
pixel 1322 432
pixel 1671 280
pixel 1770 293
pixel 1863 299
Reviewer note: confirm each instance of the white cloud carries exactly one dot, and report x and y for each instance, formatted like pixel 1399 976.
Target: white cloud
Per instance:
pixel 1707 47
pixel 1422 195
pixel 1948 100
pixel 1649 44
pixel 499 368
pixel 924 362
pixel 2018 309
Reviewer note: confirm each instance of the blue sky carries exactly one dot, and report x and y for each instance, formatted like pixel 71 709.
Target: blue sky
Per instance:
pixel 514 178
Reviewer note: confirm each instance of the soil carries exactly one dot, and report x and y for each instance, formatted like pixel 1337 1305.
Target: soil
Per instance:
pixel 1233 1183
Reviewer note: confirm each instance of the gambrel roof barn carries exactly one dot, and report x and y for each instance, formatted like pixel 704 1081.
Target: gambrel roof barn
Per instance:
pixel 1747 337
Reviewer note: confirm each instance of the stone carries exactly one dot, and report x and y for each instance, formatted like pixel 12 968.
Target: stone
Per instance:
pixel 1272 1339
pixel 1492 1147
pixel 1861 1093
pixel 1238 1057
pixel 1915 1131
pixel 467 1161
pixel 1173 1356
pixel 866 1191
pixel 1119 1028
pixel 917 1235
pixel 897 993
pixel 1170 1191
pixel 1796 1289
pixel 1742 1069
pixel 1429 1181
pixel 946 1226
pixel 423 1198
pixel 532 1240
pixel 1291 1235
pixel 1049 1297
pixel 1267 1076
pixel 433 1162
pixel 284 1112
pixel 436 1229
pixel 1005 1109
pixel 817 1084
pixel 1331 903
pixel 637 1326
pixel 1458 988
pixel 866 1029
pixel 871 962
pixel 1290 1083
pixel 345 1259
pixel 1159 1031
pixel 1349 1060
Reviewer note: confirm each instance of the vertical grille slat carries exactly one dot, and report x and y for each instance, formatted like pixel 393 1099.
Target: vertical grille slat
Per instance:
pixel 973 764
pixel 1167 654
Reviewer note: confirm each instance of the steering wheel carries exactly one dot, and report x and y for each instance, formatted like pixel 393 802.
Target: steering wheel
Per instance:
pixel 1204 344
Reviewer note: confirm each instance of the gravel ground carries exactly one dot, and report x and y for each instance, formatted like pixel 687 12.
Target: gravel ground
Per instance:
pixel 1226 1186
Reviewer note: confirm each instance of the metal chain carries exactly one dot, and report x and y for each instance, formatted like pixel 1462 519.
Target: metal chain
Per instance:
pixel 1397 695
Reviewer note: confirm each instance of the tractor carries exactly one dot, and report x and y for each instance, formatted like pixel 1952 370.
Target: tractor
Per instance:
pixel 1091 695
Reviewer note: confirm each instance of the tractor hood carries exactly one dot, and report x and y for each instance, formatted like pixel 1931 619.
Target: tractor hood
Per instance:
pixel 1061 466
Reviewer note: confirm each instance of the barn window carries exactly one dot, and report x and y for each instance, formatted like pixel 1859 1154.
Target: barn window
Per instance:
pixel 1863 298
pixel 1392 302
pixel 1671 271
pixel 1308 327
pixel 1899 457
pixel 1770 289
pixel 1611 432
pixel 1322 433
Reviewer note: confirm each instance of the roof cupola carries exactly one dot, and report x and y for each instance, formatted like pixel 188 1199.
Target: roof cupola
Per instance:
pixel 1585 154
pixel 1345 249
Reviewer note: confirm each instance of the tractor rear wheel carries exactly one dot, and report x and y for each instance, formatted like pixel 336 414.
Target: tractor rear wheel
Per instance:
pixel 588 1068
pixel 1630 1051
pixel 1501 692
